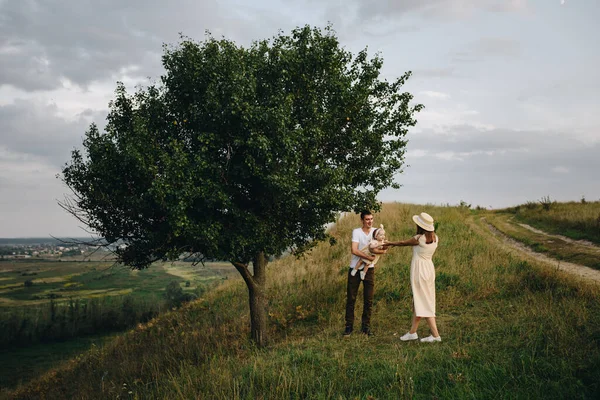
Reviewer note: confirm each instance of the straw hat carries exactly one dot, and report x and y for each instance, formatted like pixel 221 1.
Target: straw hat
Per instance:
pixel 425 221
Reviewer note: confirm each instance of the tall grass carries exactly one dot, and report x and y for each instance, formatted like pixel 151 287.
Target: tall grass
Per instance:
pixel 510 329
pixel 576 220
pixel 556 248
pixel 52 321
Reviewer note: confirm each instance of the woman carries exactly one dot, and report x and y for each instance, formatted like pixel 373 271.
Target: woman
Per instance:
pixel 422 277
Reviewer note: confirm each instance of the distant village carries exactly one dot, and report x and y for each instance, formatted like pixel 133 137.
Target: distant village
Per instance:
pixel 47 250
pixel 53 249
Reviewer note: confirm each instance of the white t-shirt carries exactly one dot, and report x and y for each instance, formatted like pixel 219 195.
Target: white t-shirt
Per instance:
pixel 363 240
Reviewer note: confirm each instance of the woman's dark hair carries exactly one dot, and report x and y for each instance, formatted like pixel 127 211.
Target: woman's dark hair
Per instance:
pixel 429 235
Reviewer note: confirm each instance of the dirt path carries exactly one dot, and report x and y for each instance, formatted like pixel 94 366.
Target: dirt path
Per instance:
pixel 575 269
pixel 584 243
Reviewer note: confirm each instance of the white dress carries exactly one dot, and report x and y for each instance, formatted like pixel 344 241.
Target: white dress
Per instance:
pixel 422 277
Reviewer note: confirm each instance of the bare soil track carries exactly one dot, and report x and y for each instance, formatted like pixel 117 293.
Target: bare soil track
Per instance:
pixel 581 271
pixel 591 246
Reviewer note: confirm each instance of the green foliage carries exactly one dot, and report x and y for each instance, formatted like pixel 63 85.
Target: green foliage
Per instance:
pixel 175 295
pixel 546 203
pixel 242 151
pixel 464 204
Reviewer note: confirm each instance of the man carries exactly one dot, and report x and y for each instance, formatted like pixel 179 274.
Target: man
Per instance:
pixel 361 238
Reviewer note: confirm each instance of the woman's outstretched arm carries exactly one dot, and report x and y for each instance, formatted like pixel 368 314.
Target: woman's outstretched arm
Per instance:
pixel 409 242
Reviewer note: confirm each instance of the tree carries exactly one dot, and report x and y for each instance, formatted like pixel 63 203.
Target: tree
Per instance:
pixel 242 153
pixel 175 294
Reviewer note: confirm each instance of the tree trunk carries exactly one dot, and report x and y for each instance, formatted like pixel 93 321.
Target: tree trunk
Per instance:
pixel 257 297
pixel 258 316
pixel 258 301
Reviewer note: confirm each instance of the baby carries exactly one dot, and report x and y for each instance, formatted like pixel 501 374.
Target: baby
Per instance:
pixel 376 243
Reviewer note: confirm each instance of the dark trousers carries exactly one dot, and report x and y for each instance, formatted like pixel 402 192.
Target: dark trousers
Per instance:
pixel 368 292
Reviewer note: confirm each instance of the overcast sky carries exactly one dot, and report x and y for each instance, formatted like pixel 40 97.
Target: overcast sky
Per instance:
pixel 511 88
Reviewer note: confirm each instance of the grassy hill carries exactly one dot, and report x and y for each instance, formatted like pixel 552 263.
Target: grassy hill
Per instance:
pixel 510 329
pixel 70 304
pixel 576 220
pixel 564 231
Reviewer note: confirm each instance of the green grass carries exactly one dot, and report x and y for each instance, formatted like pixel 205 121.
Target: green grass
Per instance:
pixel 552 246
pixel 510 329
pixel 71 300
pixel 20 365
pixel 576 220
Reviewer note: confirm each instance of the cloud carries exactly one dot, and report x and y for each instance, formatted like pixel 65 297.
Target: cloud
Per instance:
pixel 513 6
pixel 443 117
pixel 435 95
pixel 498 167
pixel 437 9
pixel 35 142
pixel 470 140
pixel 443 72
pixel 509 117
pixel 487 47
pixel 28 128
pixel 85 41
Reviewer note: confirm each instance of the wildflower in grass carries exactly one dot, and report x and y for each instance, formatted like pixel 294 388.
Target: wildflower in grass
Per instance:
pixel 457 378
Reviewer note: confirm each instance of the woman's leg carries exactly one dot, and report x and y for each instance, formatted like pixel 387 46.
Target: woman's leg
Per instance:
pixel 432 326
pixel 415 323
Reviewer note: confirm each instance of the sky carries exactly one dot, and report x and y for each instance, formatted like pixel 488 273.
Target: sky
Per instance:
pixel 511 89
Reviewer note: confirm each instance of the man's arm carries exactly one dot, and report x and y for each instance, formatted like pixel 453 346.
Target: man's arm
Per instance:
pixel 359 253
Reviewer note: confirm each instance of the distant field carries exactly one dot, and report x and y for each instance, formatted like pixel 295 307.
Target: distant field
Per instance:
pixel 72 304
pixel 75 279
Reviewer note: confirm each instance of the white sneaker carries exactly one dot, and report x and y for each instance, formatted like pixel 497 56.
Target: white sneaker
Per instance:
pixel 409 336
pixel 353 272
pixel 363 273
pixel 431 339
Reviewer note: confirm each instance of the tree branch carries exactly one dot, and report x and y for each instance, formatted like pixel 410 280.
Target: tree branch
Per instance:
pixel 245 272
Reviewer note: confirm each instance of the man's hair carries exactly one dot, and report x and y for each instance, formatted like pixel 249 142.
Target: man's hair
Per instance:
pixel 364 213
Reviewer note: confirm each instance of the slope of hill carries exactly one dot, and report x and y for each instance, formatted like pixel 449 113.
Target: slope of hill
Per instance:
pixel 510 328
pixel 575 220
pixel 557 246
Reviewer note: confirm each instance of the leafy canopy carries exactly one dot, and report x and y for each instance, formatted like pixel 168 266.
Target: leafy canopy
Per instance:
pixel 242 150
